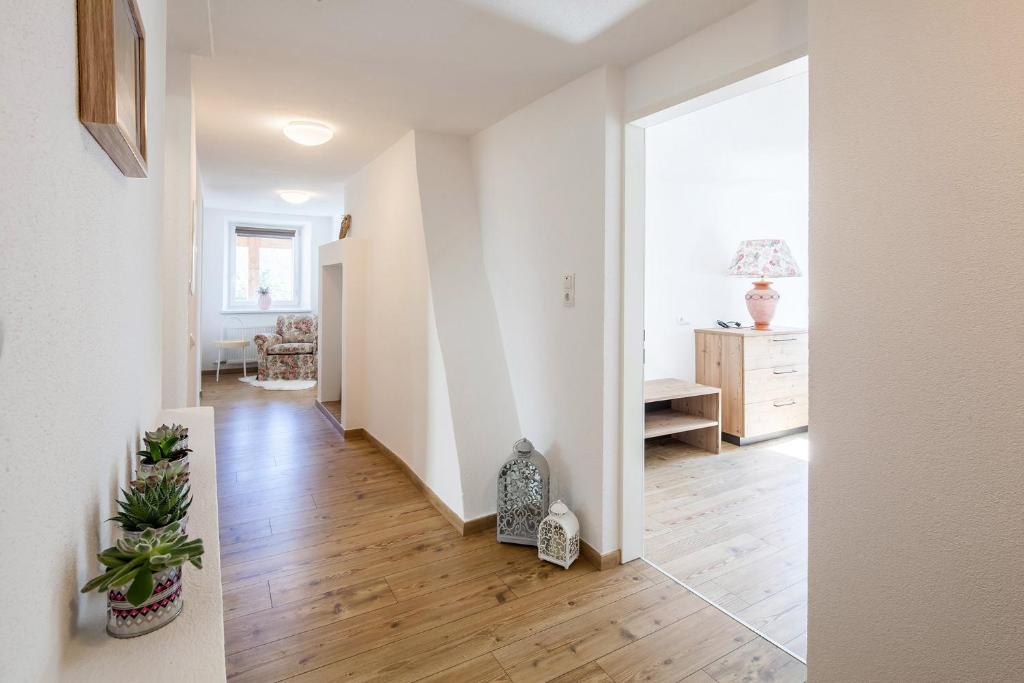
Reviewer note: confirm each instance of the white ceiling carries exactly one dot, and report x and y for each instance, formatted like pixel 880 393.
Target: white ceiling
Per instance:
pixel 373 69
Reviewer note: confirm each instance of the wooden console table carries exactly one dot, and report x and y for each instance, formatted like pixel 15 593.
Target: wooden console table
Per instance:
pixel 692 412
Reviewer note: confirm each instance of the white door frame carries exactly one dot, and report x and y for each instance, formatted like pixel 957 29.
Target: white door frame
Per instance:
pixel 631 404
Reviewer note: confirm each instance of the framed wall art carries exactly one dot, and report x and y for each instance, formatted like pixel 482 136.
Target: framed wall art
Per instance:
pixel 112 80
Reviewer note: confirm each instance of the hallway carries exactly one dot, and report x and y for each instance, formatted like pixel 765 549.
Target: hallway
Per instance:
pixel 336 567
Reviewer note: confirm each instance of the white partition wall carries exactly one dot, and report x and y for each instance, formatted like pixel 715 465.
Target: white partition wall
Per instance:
pixel 340 312
pixel 329 345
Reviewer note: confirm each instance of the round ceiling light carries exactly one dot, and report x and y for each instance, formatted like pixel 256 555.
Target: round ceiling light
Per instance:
pixel 309 133
pixel 295 196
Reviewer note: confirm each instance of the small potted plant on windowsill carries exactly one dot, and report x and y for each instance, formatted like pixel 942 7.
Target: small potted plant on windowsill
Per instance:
pixel 153 503
pixel 143 580
pixel 166 453
pixel 264 300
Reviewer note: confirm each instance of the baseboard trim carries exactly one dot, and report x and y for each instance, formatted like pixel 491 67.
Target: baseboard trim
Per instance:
pixel 464 527
pixel 472 526
pixel 600 562
pixel 340 428
pixel 229 371
pixel 746 441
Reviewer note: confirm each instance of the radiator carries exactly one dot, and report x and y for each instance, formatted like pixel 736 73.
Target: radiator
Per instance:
pixel 247 333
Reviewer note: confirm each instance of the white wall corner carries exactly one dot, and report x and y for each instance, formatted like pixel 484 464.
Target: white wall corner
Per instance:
pixel 482 408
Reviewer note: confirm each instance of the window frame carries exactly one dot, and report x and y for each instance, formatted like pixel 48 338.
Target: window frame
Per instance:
pixel 233 305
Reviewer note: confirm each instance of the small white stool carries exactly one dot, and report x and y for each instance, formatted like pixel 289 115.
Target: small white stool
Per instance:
pixel 231 344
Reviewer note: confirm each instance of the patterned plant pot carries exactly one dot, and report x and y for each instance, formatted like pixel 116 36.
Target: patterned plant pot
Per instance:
pixel 134 535
pixel 125 620
pixel 174 468
pixel 264 301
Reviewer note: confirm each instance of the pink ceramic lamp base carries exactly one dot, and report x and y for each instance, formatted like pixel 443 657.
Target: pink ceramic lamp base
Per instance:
pixel 761 303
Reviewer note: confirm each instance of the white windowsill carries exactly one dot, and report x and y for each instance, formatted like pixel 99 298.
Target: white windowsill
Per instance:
pixel 249 311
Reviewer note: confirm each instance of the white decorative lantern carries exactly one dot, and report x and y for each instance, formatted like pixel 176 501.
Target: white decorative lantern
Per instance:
pixel 522 494
pixel 558 539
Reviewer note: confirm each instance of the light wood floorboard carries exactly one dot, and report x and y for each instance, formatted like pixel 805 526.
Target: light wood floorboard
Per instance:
pixel 734 527
pixel 336 568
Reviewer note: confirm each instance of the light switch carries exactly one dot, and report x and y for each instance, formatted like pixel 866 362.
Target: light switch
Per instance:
pixel 569 290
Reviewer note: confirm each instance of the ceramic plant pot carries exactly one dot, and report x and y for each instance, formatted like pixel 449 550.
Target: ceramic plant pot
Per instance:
pixel 173 467
pixel 264 301
pixel 125 620
pixel 134 535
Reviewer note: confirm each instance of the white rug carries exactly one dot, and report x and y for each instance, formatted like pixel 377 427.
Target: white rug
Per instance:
pixel 280 384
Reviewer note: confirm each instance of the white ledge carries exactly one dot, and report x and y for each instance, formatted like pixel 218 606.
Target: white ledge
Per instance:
pixel 192 646
pixel 269 311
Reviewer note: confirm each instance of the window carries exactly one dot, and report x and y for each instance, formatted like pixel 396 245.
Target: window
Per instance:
pixel 263 257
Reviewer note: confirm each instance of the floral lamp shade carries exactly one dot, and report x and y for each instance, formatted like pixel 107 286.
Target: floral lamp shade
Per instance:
pixel 764 259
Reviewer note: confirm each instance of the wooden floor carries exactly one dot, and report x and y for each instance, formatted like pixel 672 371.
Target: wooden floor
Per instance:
pixel 733 526
pixel 334 408
pixel 337 568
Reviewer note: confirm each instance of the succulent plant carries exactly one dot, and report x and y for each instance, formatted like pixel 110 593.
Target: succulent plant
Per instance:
pixel 152 504
pixel 263 290
pixel 175 471
pixel 163 444
pixel 163 432
pixel 132 563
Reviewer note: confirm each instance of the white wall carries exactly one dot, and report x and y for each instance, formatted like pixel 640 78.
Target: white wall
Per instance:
pixel 543 176
pixel 758 37
pixel 403 399
pixel 80 332
pixel 736 170
pixel 482 407
pixel 180 187
pixel 916 522
pixel 317 230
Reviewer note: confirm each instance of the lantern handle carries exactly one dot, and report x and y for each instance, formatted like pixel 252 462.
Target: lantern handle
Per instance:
pixel 523 447
pixel 558 508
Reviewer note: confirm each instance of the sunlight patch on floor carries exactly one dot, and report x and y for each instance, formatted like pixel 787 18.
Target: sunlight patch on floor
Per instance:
pixel 799 448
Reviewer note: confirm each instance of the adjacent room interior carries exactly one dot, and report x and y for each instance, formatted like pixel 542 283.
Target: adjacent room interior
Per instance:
pixel 260 280
pixel 726 444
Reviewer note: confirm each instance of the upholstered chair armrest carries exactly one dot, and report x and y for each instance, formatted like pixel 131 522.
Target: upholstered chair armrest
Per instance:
pixel 265 341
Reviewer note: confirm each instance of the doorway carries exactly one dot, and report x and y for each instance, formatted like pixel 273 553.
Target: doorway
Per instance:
pixel 717 179
pixel 329 391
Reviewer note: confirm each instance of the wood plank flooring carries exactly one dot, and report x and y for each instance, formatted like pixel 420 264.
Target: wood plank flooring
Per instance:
pixel 336 568
pixel 334 408
pixel 734 527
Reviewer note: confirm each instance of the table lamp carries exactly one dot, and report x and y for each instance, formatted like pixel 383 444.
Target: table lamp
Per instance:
pixel 763 259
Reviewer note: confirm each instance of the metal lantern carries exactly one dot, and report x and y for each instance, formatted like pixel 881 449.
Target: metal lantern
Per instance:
pixel 558 540
pixel 522 494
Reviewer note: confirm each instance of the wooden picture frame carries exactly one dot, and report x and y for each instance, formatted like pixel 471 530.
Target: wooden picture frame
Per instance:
pixel 112 80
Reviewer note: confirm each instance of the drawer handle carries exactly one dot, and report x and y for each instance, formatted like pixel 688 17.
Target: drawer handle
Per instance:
pixel 776 339
pixel 783 405
pixel 783 372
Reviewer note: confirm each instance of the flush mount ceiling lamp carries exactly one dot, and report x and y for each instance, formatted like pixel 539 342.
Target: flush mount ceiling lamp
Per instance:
pixel 295 196
pixel 308 133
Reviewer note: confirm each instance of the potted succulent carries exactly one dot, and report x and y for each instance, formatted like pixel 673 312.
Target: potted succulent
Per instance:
pixel 165 445
pixel 264 299
pixel 153 503
pixel 143 580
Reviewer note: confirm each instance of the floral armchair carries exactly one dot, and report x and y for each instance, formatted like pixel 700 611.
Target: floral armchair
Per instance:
pixel 289 353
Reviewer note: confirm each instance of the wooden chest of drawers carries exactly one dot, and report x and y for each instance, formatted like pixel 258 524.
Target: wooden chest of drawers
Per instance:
pixel 763 378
